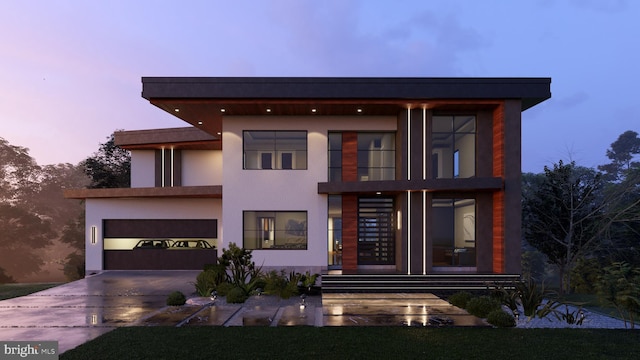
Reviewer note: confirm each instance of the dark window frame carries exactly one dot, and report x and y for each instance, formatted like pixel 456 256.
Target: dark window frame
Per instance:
pixel 283 157
pixel 279 241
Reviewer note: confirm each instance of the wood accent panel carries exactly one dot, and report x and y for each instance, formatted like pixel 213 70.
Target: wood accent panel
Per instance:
pixel 349 232
pixel 214 191
pixel 349 156
pixel 498 197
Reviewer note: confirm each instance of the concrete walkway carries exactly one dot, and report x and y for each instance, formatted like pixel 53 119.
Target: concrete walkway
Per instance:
pixel 77 312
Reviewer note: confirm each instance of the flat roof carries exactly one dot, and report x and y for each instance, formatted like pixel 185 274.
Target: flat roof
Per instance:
pixel 531 90
pixel 202 101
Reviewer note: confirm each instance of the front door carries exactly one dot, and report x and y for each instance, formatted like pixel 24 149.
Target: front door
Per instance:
pixel 376 231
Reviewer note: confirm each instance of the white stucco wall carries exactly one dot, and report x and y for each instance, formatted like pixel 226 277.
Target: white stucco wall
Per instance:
pixel 201 167
pixel 100 209
pixel 284 190
pixel 142 168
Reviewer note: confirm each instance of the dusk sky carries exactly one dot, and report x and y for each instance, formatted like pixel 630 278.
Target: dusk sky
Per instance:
pixel 70 71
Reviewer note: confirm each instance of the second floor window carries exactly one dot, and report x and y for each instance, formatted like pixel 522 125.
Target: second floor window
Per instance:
pixel 376 156
pixel 280 150
pixel 453 152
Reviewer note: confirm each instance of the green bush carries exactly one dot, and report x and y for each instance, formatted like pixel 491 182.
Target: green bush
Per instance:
pixel 532 298
pixel 277 283
pixel 236 296
pixel 481 306
pixel 243 271
pixel 224 288
pixel 209 279
pixel 176 298
pixel 205 283
pixel 460 299
pixel 499 318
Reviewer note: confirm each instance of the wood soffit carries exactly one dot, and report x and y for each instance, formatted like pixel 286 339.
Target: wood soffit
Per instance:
pixel 214 191
pixel 207 114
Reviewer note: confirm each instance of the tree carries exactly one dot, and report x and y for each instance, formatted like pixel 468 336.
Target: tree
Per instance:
pixel 571 212
pixel 18 173
pixel 621 153
pixel 563 215
pixel 109 167
pixel 24 235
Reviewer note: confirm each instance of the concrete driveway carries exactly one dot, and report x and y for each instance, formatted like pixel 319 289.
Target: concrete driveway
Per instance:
pixel 77 312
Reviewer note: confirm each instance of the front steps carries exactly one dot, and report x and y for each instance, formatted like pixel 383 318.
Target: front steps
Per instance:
pixel 402 283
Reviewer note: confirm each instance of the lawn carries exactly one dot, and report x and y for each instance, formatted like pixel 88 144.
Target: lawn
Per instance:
pixel 358 343
pixel 8 291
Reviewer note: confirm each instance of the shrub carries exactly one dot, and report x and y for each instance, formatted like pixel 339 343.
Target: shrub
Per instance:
pixel 176 298
pixel 499 318
pixel 209 279
pixel 236 296
pixel 460 299
pixel 224 288
pixel 244 272
pixel 532 298
pixel 482 306
pixel 619 286
pixel 281 285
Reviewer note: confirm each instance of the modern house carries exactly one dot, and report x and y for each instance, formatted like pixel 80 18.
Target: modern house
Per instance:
pixel 411 176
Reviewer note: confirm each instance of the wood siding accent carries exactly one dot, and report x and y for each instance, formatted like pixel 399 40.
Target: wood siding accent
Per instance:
pixel 349 156
pixel 214 191
pixel 498 197
pixel 349 232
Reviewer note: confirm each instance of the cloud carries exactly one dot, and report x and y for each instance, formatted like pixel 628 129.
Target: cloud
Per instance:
pixel 571 101
pixel 609 6
pixel 338 39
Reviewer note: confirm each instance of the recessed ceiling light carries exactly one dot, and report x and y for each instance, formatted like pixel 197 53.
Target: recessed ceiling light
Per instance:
pixel 268 110
pixel 313 110
pixel 176 110
pixel 359 110
pixel 378 193
pixel 219 133
pixel 223 110
pixel 199 122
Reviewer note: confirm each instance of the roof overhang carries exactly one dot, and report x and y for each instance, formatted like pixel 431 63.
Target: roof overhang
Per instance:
pixel 202 101
pixel 214 191
pixel 189 138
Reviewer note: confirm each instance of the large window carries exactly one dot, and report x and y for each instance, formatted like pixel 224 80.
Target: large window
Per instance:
pixel 335 156
pixel 453 152
pixel 275 230
pixel 376 156
pixel 281 150
pixel 334 227
pixel 454 232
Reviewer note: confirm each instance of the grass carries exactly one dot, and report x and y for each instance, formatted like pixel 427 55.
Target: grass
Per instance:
pixel 358 343
pixel 9 291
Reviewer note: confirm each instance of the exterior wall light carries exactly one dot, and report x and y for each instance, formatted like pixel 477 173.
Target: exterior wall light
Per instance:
pixel 94 234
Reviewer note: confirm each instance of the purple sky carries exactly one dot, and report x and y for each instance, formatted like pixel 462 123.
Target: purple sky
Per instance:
pixel 70 70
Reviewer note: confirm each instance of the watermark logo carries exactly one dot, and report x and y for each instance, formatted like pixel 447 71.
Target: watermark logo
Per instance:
pixel 29 350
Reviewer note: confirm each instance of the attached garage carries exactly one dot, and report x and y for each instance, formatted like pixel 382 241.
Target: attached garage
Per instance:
pixel 126 244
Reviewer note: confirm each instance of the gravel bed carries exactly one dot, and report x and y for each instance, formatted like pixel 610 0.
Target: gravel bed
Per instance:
pixel 591 320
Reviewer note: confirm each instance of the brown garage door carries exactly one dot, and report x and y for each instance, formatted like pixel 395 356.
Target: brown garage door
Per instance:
pixel 159 259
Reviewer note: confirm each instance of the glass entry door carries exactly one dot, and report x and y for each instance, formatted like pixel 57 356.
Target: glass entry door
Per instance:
pixel 376 231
